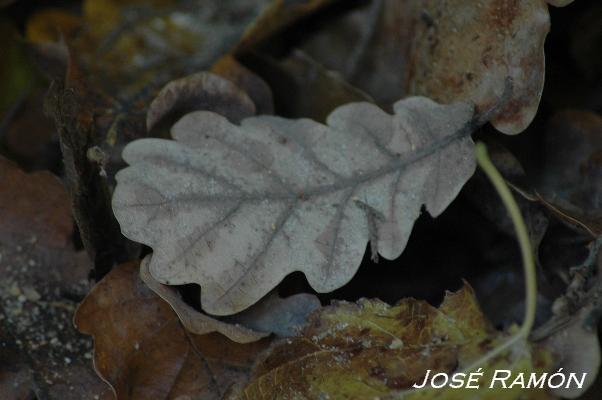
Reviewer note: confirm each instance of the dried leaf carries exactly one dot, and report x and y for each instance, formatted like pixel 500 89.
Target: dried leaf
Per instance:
pixel 194 321
pixel 448 51
pixel 41 273
pixel 237 208
pixel 282 316
pixel 200 91
pixel 33 204
pixel 277 16
pixel 257 89
pixel 570 181
pixel 577 347
pixel 272 314
pixel 372 350
pixel 455 58
pixel 143 352
pixel 303 88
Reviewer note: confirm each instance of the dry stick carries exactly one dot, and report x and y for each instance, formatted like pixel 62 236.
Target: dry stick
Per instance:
pixel 527 255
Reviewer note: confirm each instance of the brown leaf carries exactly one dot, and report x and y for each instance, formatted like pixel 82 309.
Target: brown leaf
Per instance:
pixel 303 88
pixel 143 352
pixel 570 180
pixel 257 89
pixel 41 273
pixel 277 16
pixel 447 51
pixel 193 320
pixel 31 137
pixel 455 58
pixel 200 91
pixel 372 350
pixel 272 314
pixel 33 204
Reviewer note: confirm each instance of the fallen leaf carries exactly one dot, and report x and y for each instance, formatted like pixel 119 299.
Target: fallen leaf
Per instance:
pixel 237 208
pixel 371 350
pixel 455 58
pixel 272 314
pixel 193 320
pixel 41 274
pixel 33 204
pixel 30 136
pixel 570 180
pixel 282 316
pixel 143 352
pixel 257 89
pixel 577 348
pixel 448 51
pixel 200 91
pixel 572 169
pixel 303 88
pixel 277 16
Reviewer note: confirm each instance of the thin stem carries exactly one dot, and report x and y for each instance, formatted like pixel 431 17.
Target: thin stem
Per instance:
pixel 521 232
pixel 527 255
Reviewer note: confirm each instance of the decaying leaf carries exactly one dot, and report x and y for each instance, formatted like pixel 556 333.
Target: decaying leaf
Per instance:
pixel 33 204
pixel 272 314
pixel 193 320
pixel 571 334
pixel 577 348
pixel 448 51
pixel 372 350
pixel 282 316
pixel 455 58
pixel 278 15
pixel 143 352
pixel 258 90
pixel 303 88
pixel 200 91
pixel 237 208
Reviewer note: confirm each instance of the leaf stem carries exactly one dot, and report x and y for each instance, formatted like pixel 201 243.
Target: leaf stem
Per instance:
pixel 527 254
pixel 521 232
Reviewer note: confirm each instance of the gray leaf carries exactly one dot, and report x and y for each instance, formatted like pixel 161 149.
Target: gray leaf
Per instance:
pixel 237 208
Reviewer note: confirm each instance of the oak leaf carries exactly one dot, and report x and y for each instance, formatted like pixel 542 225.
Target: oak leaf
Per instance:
pixel 142 350
pixel 272 314
pixel 235 209
pixel 448 51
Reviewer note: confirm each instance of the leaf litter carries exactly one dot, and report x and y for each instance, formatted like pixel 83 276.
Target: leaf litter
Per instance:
pixel 110 61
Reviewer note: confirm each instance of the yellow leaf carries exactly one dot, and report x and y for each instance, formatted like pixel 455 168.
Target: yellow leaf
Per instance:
pixel 370 350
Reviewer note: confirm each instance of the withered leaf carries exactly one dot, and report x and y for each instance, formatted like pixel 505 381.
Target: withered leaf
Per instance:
pixel 200 91
pixel 372 350
pixel 33 204
pixel 272 314
pixel 193 320
pixel 277 16
pixel 237 208
pixel 143 352
pixel 257 89
pixel 448 51
pixel 303 88
pixel 455 58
